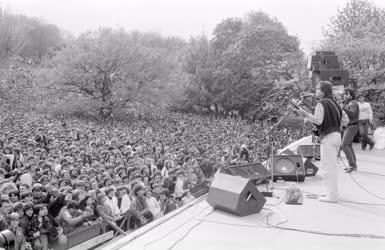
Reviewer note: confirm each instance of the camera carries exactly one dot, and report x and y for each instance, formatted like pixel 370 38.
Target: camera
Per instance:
pixel 7 239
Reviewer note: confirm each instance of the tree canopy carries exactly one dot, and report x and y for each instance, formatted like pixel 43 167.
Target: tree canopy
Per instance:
pixel 111 69
pixel 357 35
pixel 245 59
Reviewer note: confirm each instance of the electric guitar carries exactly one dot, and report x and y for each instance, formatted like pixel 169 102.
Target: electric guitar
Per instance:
pixel 299 104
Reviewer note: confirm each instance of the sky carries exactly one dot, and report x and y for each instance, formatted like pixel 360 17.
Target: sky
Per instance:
pixel 302 18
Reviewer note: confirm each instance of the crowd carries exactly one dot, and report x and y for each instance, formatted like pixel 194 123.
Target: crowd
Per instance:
pixel 56 175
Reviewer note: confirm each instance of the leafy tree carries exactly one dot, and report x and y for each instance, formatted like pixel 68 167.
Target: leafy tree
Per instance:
pixel 261 55
pixel 356 19
pixel 109 70
pixel 246 60
pixel 42 38
pixel 356 34
pixel 13 34
pixel 197 62
pixel 27 37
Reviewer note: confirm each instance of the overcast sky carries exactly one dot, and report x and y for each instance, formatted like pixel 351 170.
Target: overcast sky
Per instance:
pixel 303 18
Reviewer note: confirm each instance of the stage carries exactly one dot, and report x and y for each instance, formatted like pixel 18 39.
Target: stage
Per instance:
pixel 356 222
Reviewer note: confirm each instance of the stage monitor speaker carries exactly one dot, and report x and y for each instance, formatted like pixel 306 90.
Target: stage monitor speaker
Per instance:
pixel 310 168
pixel 254 171
pixel 288 168
pixel 235 195
pixel 308 151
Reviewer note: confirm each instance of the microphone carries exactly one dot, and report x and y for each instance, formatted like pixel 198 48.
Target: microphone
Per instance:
pixel 307 94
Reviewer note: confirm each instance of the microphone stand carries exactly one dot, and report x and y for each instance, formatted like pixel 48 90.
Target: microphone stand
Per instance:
pixel 271 144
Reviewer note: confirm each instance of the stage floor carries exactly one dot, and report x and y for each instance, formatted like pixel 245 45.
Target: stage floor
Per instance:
pixel 328 226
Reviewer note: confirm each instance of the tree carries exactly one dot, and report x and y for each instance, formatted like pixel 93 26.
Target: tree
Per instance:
pixel 110 69
pixel 13 34
pixel 356 19
pixel 356 34
pixel 261 54
pixel 197 62
pixel 43 37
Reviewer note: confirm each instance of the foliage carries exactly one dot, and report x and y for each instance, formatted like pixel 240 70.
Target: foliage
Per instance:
pixel 357 19
pixel 246 60
pixel 13 34
pixel 109 69
pixel 27 37
pixel 356 34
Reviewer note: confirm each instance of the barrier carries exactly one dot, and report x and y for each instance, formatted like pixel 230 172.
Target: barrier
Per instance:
pixel 87 237
pixel 85 233
pixel 199 189
pixel 94 241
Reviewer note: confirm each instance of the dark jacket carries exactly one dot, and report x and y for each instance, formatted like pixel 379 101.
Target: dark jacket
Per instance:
pixel 332 117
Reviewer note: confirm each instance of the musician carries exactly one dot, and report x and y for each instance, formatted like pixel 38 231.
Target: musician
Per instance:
pixel 328 117
pixel 350 106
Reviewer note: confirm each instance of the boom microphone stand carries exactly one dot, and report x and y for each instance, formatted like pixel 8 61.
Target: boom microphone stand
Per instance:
pixel 271 144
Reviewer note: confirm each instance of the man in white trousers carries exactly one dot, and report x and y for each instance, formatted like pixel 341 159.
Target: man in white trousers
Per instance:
pixel 329 118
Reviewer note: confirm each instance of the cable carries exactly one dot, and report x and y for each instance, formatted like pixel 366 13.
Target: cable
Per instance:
pixel 315 196
pixel 358 184
pixel 278 203
pixel 363 188
pixel 232 224
pixel 372 236
pixel 362 203
pixel 364 172
pixel 185 235
pixel 188 232
pixel 270 226
pixel 178 227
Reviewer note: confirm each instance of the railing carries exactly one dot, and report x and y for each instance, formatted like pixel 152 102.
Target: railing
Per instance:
pixel 87 237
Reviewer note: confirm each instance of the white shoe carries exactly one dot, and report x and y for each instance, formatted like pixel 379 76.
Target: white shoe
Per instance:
pixel 327 199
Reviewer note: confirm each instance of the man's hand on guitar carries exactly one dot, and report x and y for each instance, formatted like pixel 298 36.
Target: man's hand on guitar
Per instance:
pixel 301 112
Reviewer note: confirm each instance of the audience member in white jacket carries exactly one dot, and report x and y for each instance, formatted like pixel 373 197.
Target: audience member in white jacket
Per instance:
pixel 112 201
pixel 124 200
pixel 153 204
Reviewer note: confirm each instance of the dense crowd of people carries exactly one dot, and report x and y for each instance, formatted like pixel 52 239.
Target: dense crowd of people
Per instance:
pixel 59 174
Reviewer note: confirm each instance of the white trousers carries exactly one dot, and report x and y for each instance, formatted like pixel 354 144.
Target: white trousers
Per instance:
pixel 330 146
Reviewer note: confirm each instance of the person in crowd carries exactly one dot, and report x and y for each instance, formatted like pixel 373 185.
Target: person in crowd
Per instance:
pixel 31 229
pixel 56 238
pixel 71 217
pixel 152 204
pixel 124 200
pixel 5 209
pixel 187 197
pixel 180 185
pixel 139 207
pixel 20 242
pixel 330 118
pixel 365 119
pixel 103 208
pixel 44 225
pixel 167 203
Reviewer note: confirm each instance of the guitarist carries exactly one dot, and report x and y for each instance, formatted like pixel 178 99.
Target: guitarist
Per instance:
pixel 328 116
pixel 350 106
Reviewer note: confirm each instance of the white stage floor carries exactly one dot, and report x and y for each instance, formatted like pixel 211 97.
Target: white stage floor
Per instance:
pixel 334 225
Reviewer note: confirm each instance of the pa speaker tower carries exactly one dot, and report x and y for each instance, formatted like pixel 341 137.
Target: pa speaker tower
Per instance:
pixel 235 195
